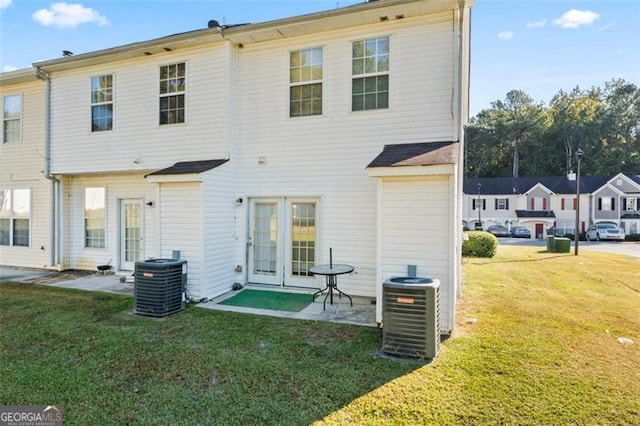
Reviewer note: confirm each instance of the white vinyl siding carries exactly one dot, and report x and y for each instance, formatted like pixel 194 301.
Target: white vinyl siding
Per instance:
pixel 416 222
pixel 20 163
pixel 330 160
pixel 117 187
pixel 137 141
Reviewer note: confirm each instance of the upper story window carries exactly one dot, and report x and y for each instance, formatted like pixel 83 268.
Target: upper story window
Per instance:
pixel 15 217
pixel 630 204
pixel 370 72
pixel 94 217
pixel 538 204
pixel 478 204
pixel 101 103
pixel 568 203
pixel 606 204
pixel 305 80
pixel 173 83
pixel 502 204
pixel 12 119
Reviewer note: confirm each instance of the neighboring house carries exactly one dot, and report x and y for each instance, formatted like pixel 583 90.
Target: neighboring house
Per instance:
pixel 25 228
pixel 540 203
pixel 253 149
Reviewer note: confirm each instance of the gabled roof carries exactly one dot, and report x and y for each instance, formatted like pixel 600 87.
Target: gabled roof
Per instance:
pixel 417 154
pixel 521 185
pixel 18 76
pixel 188 167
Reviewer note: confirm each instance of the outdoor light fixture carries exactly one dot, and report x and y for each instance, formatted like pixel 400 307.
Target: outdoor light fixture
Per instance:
pixel 579 154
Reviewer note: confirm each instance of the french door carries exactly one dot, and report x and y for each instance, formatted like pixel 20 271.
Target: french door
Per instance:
pixel 130 233
pixel 283 241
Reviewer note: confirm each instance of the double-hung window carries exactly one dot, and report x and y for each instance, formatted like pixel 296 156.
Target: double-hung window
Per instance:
pixel 173 84
pixel 502 204
pixel 370 74
pixel 305 82
pixel 15 217
pixel 101 103
pixel 94 217
pixel 12 119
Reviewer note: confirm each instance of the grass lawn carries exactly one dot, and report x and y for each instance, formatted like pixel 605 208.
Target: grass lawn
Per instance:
pixel 543 349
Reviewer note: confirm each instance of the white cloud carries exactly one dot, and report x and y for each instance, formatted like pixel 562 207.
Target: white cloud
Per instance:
pixel 537 24
pixel 4 4
pixel 505 35
pixel 68 15
pixel 8 68
pixel 576 18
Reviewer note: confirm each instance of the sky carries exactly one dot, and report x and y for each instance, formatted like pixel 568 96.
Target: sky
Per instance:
pixel 539 47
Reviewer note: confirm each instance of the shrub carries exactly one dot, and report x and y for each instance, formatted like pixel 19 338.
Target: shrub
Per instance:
pixel 479 244
pixel 632 237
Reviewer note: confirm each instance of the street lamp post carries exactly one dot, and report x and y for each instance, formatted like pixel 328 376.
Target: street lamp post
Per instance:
pixel 479 208
pixel 579 154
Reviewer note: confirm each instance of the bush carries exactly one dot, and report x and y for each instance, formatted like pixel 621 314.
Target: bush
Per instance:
pixel 632 237
pixel 479 244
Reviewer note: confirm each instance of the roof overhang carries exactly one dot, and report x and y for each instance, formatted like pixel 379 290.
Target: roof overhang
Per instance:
pixel 184 171
pixel 25 75
pixel 360 14
pixel 415 159
pixel 540 186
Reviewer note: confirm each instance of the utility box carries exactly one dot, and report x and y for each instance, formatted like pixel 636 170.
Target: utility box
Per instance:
pixel 159 287
pixel 411 317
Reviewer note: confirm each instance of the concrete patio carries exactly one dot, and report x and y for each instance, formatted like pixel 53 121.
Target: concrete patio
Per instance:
pixel 361 313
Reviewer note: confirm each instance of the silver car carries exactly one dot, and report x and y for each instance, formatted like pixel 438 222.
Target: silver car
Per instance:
pixel 605 231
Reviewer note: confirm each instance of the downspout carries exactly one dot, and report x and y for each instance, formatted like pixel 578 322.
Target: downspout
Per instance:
pixel 54 257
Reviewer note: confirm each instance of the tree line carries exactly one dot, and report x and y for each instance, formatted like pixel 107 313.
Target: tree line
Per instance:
pixel 520 137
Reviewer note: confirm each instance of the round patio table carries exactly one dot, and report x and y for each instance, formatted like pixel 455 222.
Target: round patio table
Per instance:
pixel 331 273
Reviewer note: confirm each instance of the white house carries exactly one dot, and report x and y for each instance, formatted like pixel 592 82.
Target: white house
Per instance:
pixel 253 149
pixel 25 228
pixel 540 203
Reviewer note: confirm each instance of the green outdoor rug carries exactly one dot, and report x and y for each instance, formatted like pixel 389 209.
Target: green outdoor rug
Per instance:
pixel 273 300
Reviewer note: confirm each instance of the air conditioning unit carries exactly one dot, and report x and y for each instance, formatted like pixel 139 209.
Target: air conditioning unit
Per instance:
pixel 159 287
pixel 411 317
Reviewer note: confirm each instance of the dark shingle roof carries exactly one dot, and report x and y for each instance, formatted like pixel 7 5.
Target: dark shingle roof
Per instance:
pixel 535 213
pixel 520 185
pixel 417 154
pixel 186 167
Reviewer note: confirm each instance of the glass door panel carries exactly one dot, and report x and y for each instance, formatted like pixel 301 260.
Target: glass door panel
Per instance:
pixel 130 234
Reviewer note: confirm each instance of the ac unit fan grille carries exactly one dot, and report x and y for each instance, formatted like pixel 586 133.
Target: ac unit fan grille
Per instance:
pixel 158 289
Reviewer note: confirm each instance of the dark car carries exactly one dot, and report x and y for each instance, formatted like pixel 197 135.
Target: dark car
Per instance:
pixel 520 232
pixel 498 230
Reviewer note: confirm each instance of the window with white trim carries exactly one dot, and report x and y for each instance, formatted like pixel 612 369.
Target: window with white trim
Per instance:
pixel 12 119
pixel 502 204
pixel 94 217
pixel 102 103
pixel 305 82
pixel 631 204
pixel 15 217
pixel 370 74
pixel 173 83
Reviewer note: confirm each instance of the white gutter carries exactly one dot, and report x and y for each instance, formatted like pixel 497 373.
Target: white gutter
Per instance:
pixel 54 252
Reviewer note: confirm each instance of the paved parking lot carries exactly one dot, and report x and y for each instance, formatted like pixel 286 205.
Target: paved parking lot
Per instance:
pixel 630 248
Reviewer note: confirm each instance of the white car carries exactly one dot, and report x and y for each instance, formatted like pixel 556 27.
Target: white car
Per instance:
pixel 605 231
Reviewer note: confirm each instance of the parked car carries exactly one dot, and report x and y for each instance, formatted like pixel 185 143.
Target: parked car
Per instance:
pixel 605 231
pixel 520 232
pixel 498 230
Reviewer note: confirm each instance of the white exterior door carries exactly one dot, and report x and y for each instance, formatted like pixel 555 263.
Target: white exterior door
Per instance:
pixel 130 233
pixel 283 241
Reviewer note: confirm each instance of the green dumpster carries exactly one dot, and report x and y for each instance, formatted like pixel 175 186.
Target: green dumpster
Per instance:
pixel 563 245
pixel 551 244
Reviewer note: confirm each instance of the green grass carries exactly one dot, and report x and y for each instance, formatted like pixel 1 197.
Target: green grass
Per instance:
pixel 543 350
pixel 274 300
